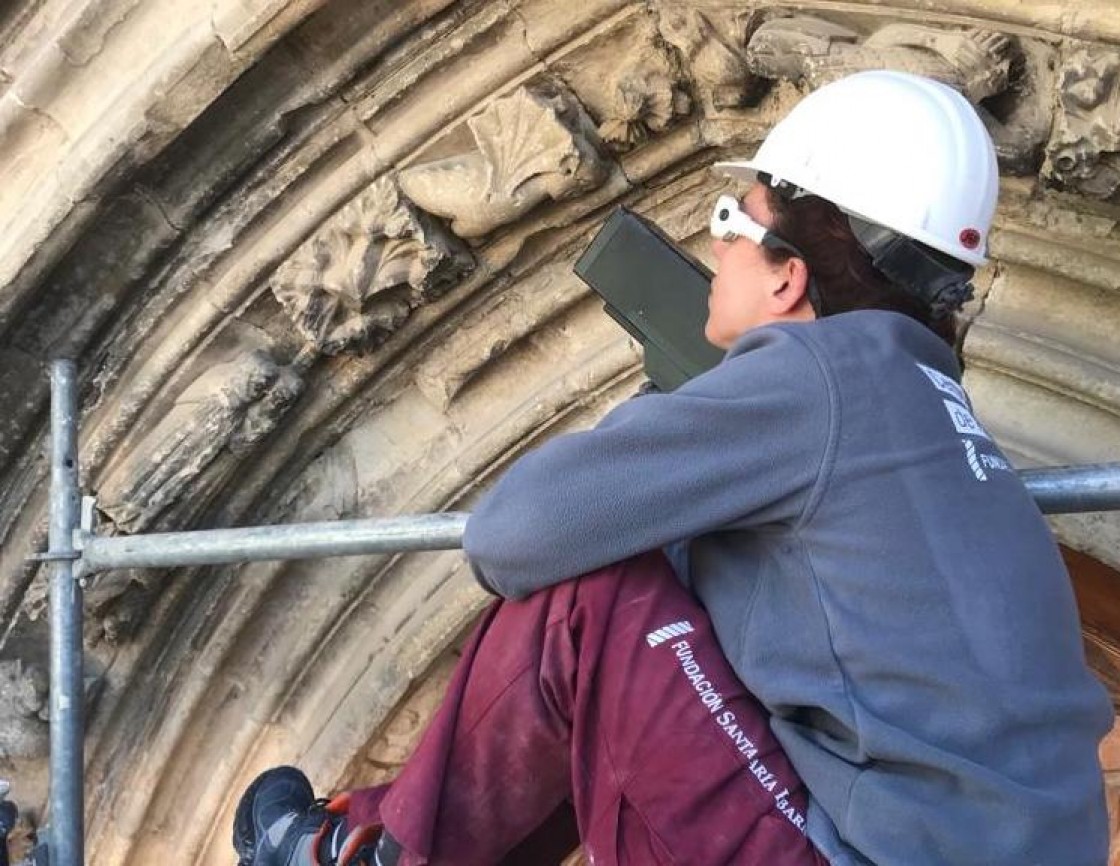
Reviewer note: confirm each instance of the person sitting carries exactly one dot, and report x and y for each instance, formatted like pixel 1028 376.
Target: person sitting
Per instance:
pixel 799 611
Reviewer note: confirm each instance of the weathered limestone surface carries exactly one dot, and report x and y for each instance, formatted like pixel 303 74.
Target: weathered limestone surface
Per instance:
pixel 314 260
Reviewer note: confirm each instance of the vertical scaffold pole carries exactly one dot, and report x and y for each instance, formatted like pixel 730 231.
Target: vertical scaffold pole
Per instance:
pixel 67 824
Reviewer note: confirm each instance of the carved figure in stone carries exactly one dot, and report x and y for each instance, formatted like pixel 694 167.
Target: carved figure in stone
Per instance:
pixel 229 408
pixel 359 277
pixel 23 711
pixel 530 146
pixel 641 103
pixel 1084 152
pixel 1020 118
pixel 816 51
pixel 718 65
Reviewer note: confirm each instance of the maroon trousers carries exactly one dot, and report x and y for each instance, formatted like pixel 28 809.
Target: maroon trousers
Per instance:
pixel 602 706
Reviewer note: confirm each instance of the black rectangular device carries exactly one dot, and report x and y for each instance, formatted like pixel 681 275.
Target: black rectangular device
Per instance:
pixel 656 291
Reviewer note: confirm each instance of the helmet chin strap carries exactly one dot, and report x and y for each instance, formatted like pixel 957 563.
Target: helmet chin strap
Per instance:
pixel 938 280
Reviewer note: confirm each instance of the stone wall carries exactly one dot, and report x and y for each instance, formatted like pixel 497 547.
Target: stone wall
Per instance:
pixel 314 260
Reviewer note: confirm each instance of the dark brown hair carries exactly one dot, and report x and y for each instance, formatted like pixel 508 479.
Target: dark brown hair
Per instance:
pixel 845 277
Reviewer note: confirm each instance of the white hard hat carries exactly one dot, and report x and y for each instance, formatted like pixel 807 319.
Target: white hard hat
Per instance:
pixel 892 148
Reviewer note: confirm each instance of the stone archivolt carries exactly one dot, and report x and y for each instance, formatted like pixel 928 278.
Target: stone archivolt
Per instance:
pixel 331 279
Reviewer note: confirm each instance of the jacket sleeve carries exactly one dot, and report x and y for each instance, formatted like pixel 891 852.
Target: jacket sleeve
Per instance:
pixel 742 445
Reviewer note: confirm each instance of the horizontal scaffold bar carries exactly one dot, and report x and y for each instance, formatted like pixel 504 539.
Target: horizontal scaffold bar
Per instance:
pixel 442 531
pixel 1057 490
pixel 1073 489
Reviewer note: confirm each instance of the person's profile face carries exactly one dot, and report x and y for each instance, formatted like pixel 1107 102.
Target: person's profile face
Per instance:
pixel 743 274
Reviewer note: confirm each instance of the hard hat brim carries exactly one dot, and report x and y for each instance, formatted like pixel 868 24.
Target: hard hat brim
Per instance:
pixel 739 170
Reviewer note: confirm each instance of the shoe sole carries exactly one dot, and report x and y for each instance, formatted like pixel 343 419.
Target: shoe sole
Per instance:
pixel 244 835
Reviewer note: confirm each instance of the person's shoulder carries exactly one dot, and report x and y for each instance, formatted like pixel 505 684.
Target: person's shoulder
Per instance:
pixel 880 337
pixel 778 353
pixel 773 339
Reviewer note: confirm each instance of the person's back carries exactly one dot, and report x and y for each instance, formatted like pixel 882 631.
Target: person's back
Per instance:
pixel 913 631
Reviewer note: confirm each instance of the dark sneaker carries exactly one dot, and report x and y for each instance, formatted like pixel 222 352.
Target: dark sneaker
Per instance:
pixel 278 820
pixel 280 823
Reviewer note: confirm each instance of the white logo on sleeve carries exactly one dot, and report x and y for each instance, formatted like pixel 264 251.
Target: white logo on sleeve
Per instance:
pixel 674 629
pixel 963 420
pixel 945 385
pixel 980 452
pixel 973 460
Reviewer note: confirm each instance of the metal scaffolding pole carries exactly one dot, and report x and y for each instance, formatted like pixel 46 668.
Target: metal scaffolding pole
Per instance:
pixel 67 830
pixel 1074 489
pixel 1058 490
pixel 442 531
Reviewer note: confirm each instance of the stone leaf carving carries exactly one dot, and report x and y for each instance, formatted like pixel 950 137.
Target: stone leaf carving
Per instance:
pixel 532 145
pixel 816 51
pixel 718 65
pixel 1084 153
pixel 23 711
pixel 641 104
pixel 358 278
pixel 627 79
pixel 227 410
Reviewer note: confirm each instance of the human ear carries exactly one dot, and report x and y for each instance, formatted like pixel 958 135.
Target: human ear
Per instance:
pixel 790 292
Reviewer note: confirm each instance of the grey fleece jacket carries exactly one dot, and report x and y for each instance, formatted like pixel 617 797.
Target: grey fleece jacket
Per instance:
pixel 876 573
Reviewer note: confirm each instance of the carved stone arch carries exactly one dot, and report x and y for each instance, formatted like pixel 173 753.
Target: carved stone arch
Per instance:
pixel 313 258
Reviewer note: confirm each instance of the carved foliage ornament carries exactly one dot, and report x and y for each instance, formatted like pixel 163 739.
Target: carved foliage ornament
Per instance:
pixel 1008 79
pixel 531 146
pixel 641 104
pixel 628 80
pixel 360 276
